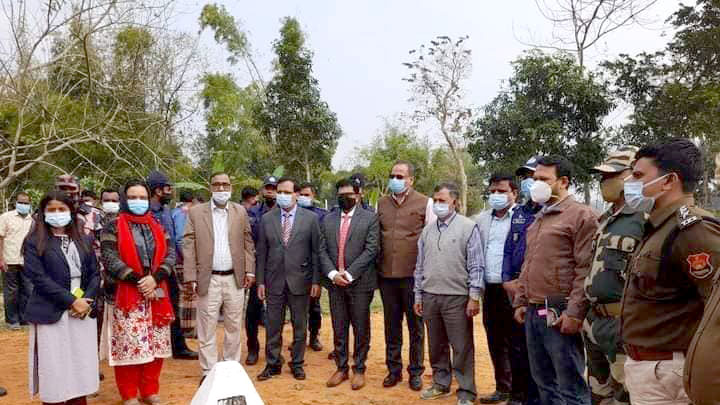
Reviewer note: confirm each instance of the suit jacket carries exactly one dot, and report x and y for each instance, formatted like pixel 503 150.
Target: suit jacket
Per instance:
pixel 50 275
pixel 361 247
pixel 298 264
pixel 199 245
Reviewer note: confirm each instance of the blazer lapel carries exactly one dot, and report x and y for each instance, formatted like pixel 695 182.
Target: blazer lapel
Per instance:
pixel 299 217
pixel 207 218
pixel 233 218
pixel 275 217
pixel 357 217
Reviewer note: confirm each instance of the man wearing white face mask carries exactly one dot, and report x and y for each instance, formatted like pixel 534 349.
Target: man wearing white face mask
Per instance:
pixel 219 264
pixel 670 281
pixel 494 226
pixel 448 287
pixel 551 301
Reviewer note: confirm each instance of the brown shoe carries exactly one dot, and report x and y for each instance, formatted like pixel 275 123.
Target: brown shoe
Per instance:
pixel 337 378
pixel 358 381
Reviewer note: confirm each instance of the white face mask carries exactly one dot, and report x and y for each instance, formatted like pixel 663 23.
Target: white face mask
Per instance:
pixel 540 192
pixel 498 201
pixel 442 210
pixel 221 197
pixel 636 198
pixel 110 207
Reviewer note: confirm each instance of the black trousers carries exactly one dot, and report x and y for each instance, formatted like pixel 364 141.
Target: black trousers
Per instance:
pixel 176 335
pixel 498 321
pixel 314 317
pixel 16 292
pixel 349 306
pixel 276 304
pixel 449 326
pixel 398 299
pixel 253 318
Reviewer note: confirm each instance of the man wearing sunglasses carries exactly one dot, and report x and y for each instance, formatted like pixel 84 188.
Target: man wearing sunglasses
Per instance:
pixel 403 214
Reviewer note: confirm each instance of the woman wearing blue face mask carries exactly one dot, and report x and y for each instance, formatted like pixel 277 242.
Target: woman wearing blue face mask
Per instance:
pixel 63 270
pixel 139 256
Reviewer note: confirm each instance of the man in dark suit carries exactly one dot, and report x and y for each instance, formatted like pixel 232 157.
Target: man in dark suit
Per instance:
pixel 352 236
pixel 288 273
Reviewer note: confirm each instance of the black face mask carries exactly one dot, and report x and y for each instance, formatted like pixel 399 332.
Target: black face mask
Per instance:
pixel 346 203
pixel 269 201
pixel 165 200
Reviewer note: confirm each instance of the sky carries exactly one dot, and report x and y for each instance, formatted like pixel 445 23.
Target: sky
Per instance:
pixel 359 48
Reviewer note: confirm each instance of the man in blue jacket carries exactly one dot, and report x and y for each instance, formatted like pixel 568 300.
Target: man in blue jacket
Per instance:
pixel 514 256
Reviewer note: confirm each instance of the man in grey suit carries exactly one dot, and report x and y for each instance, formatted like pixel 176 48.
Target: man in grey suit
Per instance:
pixel 351 237
pixel 288 274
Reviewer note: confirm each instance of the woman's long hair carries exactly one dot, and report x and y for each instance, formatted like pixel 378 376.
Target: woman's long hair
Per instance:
pixel 41 230
pixel 123 196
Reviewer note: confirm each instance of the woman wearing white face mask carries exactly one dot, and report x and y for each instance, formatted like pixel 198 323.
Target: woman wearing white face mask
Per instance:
pixel 63 269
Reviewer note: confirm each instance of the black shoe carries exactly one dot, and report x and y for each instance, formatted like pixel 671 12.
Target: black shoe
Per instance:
pixel 315 344
pixel 495 398
pixel 415 382
pixel 201 380
pixel 185 354
pixel 252 358
pixel 298 373
pixel 3 392
pixel 391 380
pixel 268 373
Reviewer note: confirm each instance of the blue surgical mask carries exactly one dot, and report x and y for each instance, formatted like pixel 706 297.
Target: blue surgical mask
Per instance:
pixel 284 200
pixel 138 207
pixel 498 201
pixel 636 199
pixel 442 210
pixel 22 208
pixel 525 186
pixel 397 186
pixel 58 219
pixel 305 201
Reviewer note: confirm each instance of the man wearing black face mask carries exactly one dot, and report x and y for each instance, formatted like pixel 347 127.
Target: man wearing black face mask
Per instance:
pixel 350 279
pixel 161 190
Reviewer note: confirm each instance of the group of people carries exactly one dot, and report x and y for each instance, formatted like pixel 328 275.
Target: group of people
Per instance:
pixel 628 295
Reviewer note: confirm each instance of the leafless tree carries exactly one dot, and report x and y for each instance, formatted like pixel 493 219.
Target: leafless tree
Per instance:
pixel 437 76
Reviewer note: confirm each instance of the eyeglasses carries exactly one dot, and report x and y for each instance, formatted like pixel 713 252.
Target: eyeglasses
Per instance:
pixel 397 176
pixel 221 186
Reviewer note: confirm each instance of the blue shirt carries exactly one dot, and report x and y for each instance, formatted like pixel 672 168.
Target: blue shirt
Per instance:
pixel 179 218
pixel 495 247
pixel 255 214
pixel 474 262
pixel 514 252
pixel 163 216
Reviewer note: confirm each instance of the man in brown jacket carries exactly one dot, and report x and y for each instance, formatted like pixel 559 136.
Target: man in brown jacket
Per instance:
pixel 551 301
pixel 402 215
pixel 220 264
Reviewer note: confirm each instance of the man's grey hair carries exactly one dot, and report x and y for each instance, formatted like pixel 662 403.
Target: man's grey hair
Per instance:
pixel 452 188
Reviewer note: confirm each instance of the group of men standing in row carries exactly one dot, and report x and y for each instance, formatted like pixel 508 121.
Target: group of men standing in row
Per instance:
pixel 632 289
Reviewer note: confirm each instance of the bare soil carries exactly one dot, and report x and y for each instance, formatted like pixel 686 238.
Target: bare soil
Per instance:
pixel 180 378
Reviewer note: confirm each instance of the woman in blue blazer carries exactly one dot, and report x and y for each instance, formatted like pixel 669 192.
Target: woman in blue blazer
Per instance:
pixel 63 338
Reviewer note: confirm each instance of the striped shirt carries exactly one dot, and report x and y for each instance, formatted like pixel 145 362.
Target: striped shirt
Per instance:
pixel 222 260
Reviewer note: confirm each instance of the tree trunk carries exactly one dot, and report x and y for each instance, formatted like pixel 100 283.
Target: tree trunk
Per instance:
pixel 306 163
pixel 463 185
pixel 586 188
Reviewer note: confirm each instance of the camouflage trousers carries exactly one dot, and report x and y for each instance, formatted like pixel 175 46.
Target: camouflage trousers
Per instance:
pixel 605 360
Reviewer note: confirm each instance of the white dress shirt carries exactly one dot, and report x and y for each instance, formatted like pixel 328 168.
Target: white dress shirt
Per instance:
pixel 222 259
pixel 349 216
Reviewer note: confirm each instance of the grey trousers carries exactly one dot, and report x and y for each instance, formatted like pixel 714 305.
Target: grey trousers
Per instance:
pixel 448 326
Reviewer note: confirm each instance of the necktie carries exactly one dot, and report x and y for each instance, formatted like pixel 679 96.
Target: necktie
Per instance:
pixel 287 227
pixel 344 228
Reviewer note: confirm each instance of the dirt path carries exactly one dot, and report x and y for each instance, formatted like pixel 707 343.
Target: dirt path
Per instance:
pixel 180 378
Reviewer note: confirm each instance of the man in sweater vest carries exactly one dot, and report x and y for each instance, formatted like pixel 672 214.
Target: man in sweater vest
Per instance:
pixel 448 286
pixel 402 215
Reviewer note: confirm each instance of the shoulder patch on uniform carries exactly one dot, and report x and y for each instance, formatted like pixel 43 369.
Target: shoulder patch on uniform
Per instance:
pixel 686 218
pixel 700 266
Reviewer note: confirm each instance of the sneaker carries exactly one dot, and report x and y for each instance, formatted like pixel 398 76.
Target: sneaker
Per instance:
pixel 435 392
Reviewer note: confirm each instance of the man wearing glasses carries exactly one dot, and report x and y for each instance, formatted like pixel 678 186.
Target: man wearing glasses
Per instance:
pixel 220 264
pixel 403 214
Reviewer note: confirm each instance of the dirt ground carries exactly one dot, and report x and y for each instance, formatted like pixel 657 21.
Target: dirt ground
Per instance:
pixel 180 378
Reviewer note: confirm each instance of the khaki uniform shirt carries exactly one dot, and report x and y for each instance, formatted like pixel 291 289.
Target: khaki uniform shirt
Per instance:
pixel 662 308
pixel 13 229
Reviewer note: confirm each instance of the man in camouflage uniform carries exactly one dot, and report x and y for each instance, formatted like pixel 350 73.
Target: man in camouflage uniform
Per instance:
pixel 618 235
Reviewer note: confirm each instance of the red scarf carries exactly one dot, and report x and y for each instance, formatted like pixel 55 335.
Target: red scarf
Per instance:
pixel 128 296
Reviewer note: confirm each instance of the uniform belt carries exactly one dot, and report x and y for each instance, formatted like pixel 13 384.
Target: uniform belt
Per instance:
pixel 223 272
pixel 638 353
pixel 612 310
